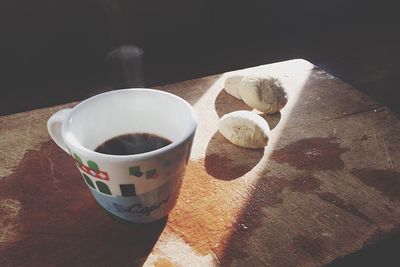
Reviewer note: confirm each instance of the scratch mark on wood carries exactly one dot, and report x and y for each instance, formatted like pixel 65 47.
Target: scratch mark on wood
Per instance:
pixel 51 165
pixel 50 148
pixel 381 156
pixel 216 256
pixel 366 131
pixel 365 143
pixel 6 233
pixel 27 134
pixel 388 158
pixel 340 203
pixel 11 205
pixel 345 115
pixel 206 237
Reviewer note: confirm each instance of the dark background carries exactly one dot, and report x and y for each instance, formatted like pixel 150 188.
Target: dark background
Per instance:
pixel 54 51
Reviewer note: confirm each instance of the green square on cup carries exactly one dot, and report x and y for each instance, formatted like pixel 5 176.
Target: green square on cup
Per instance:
pixel 135 171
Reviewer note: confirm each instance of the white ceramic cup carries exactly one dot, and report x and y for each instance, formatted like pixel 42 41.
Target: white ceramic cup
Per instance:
pixel 142 187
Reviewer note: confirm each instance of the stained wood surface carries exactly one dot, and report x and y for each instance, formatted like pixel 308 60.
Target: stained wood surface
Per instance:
pixel 327 184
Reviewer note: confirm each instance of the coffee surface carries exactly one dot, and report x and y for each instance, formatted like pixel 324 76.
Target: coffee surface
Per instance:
pixel 134 143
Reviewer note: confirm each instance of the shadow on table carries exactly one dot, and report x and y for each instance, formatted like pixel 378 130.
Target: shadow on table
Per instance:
pixel 383 253
pixel 226 161
pixel 225 103
pixel 48 217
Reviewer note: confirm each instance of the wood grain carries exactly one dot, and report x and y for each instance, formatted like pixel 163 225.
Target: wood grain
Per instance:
pixel 327 184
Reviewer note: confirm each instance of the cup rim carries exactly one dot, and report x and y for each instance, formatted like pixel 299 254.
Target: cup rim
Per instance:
pixel 78 146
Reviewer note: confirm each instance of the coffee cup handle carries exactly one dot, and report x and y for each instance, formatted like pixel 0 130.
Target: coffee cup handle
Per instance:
pixel 54 127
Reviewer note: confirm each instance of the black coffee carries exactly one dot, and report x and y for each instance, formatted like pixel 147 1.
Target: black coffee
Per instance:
pixel 135 143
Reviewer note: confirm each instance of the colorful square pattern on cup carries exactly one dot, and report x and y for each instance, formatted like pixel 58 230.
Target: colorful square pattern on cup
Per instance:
pixel 151 174
pixel 101 187
pixel 92 168
pixel 127 190
pixel 135 171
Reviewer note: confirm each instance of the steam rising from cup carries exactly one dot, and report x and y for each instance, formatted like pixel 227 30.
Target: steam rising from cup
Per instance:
pixel 125 67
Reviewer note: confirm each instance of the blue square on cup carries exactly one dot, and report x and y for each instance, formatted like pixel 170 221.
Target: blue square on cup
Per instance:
pixel 127 190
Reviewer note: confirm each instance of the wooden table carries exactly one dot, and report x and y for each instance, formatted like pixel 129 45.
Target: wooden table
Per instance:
pixel 327 184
